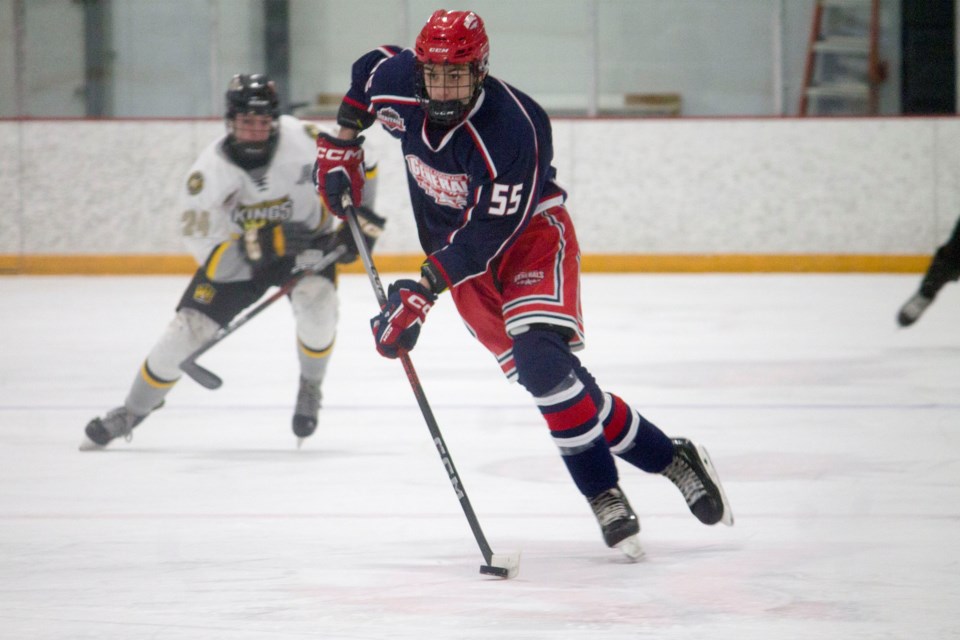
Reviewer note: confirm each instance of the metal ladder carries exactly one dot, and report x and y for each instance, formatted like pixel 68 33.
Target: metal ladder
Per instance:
pixel 843 71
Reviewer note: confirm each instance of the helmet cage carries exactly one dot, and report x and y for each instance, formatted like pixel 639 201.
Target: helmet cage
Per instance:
pixel 254 94
pixel 447 112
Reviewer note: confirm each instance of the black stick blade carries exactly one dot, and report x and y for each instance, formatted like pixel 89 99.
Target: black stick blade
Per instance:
pixel 502 565
pixel 489 570
pixel 203 377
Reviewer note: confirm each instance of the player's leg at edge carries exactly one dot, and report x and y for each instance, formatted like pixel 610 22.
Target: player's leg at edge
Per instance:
pixel 944 267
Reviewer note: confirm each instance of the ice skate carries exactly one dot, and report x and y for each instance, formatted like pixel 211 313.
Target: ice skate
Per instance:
pixel 305 413
pixel 100 431
pixel 913 308
pixel 617 522
pixel 693 473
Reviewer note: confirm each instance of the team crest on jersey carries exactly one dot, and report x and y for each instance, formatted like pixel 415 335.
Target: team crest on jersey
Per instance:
pixel 195 183
pixel 446 189
pixel 528 278
pixel 391 120
pixel 204 293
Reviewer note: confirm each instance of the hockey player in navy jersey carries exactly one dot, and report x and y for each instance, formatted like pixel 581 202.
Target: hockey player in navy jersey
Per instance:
pixel 251 218
pixel 492 222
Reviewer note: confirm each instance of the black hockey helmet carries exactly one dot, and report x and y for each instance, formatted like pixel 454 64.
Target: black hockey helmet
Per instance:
pixel 251 93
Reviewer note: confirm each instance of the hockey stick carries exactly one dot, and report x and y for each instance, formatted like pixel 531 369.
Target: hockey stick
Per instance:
pixel 209 379
pixel 500 565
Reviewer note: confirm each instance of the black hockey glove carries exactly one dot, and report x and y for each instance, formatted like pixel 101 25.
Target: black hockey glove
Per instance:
pixel 371 225
pixel 267 244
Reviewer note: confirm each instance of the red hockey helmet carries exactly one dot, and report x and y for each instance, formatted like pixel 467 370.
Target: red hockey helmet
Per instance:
pixel 454 37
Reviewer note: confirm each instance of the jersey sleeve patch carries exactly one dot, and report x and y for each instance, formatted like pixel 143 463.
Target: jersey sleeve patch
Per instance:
pixel 195 183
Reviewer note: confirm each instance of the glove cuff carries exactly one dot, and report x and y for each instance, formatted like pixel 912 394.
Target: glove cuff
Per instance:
pixel 354 117
pixel 340 142
pixel 432 274
pixel 414 286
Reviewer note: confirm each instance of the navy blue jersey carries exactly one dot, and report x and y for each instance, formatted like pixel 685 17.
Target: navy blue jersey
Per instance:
pixel 473 187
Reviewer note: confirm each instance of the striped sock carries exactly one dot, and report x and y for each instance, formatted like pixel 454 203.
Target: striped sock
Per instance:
pixel 571 416
pixel 632 437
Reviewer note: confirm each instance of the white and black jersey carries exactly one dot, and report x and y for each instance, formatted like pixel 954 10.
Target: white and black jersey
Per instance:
pixel 220 199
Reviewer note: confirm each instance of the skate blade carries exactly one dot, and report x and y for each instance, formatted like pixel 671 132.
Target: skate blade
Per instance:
pixel 631 548
pixel 727 517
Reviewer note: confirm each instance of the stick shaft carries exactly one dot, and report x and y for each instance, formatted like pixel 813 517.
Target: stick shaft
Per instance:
pixel 210 380
pixel 418 392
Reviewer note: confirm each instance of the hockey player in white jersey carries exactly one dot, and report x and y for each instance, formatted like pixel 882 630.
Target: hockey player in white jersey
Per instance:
pixel 251 218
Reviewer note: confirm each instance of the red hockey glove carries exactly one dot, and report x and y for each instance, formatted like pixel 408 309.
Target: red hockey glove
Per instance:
pixel 338 171
pixel 397 327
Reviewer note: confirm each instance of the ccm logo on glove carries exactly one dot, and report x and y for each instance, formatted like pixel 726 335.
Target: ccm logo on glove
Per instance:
pixel 338 155
pixel 338 172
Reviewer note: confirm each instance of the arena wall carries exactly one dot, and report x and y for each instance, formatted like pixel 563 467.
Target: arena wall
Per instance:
pixel 741 194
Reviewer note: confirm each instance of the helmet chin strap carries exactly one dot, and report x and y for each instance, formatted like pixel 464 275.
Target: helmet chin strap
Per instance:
pixel 446 112
pixel 254 149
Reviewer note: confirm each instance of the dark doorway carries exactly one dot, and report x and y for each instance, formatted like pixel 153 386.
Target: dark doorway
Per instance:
pixel 929 77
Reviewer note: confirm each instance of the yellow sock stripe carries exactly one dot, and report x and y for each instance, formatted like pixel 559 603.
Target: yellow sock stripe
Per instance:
pixel 313 353
pixel 153 380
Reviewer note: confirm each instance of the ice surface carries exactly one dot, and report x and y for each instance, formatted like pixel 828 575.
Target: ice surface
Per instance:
pixel 837 436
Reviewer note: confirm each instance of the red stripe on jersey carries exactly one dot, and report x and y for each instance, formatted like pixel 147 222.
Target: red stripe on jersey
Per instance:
pixel 572 417
pixel 354 103
pixel 483 150
pixel 388 99
pixel 617 421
